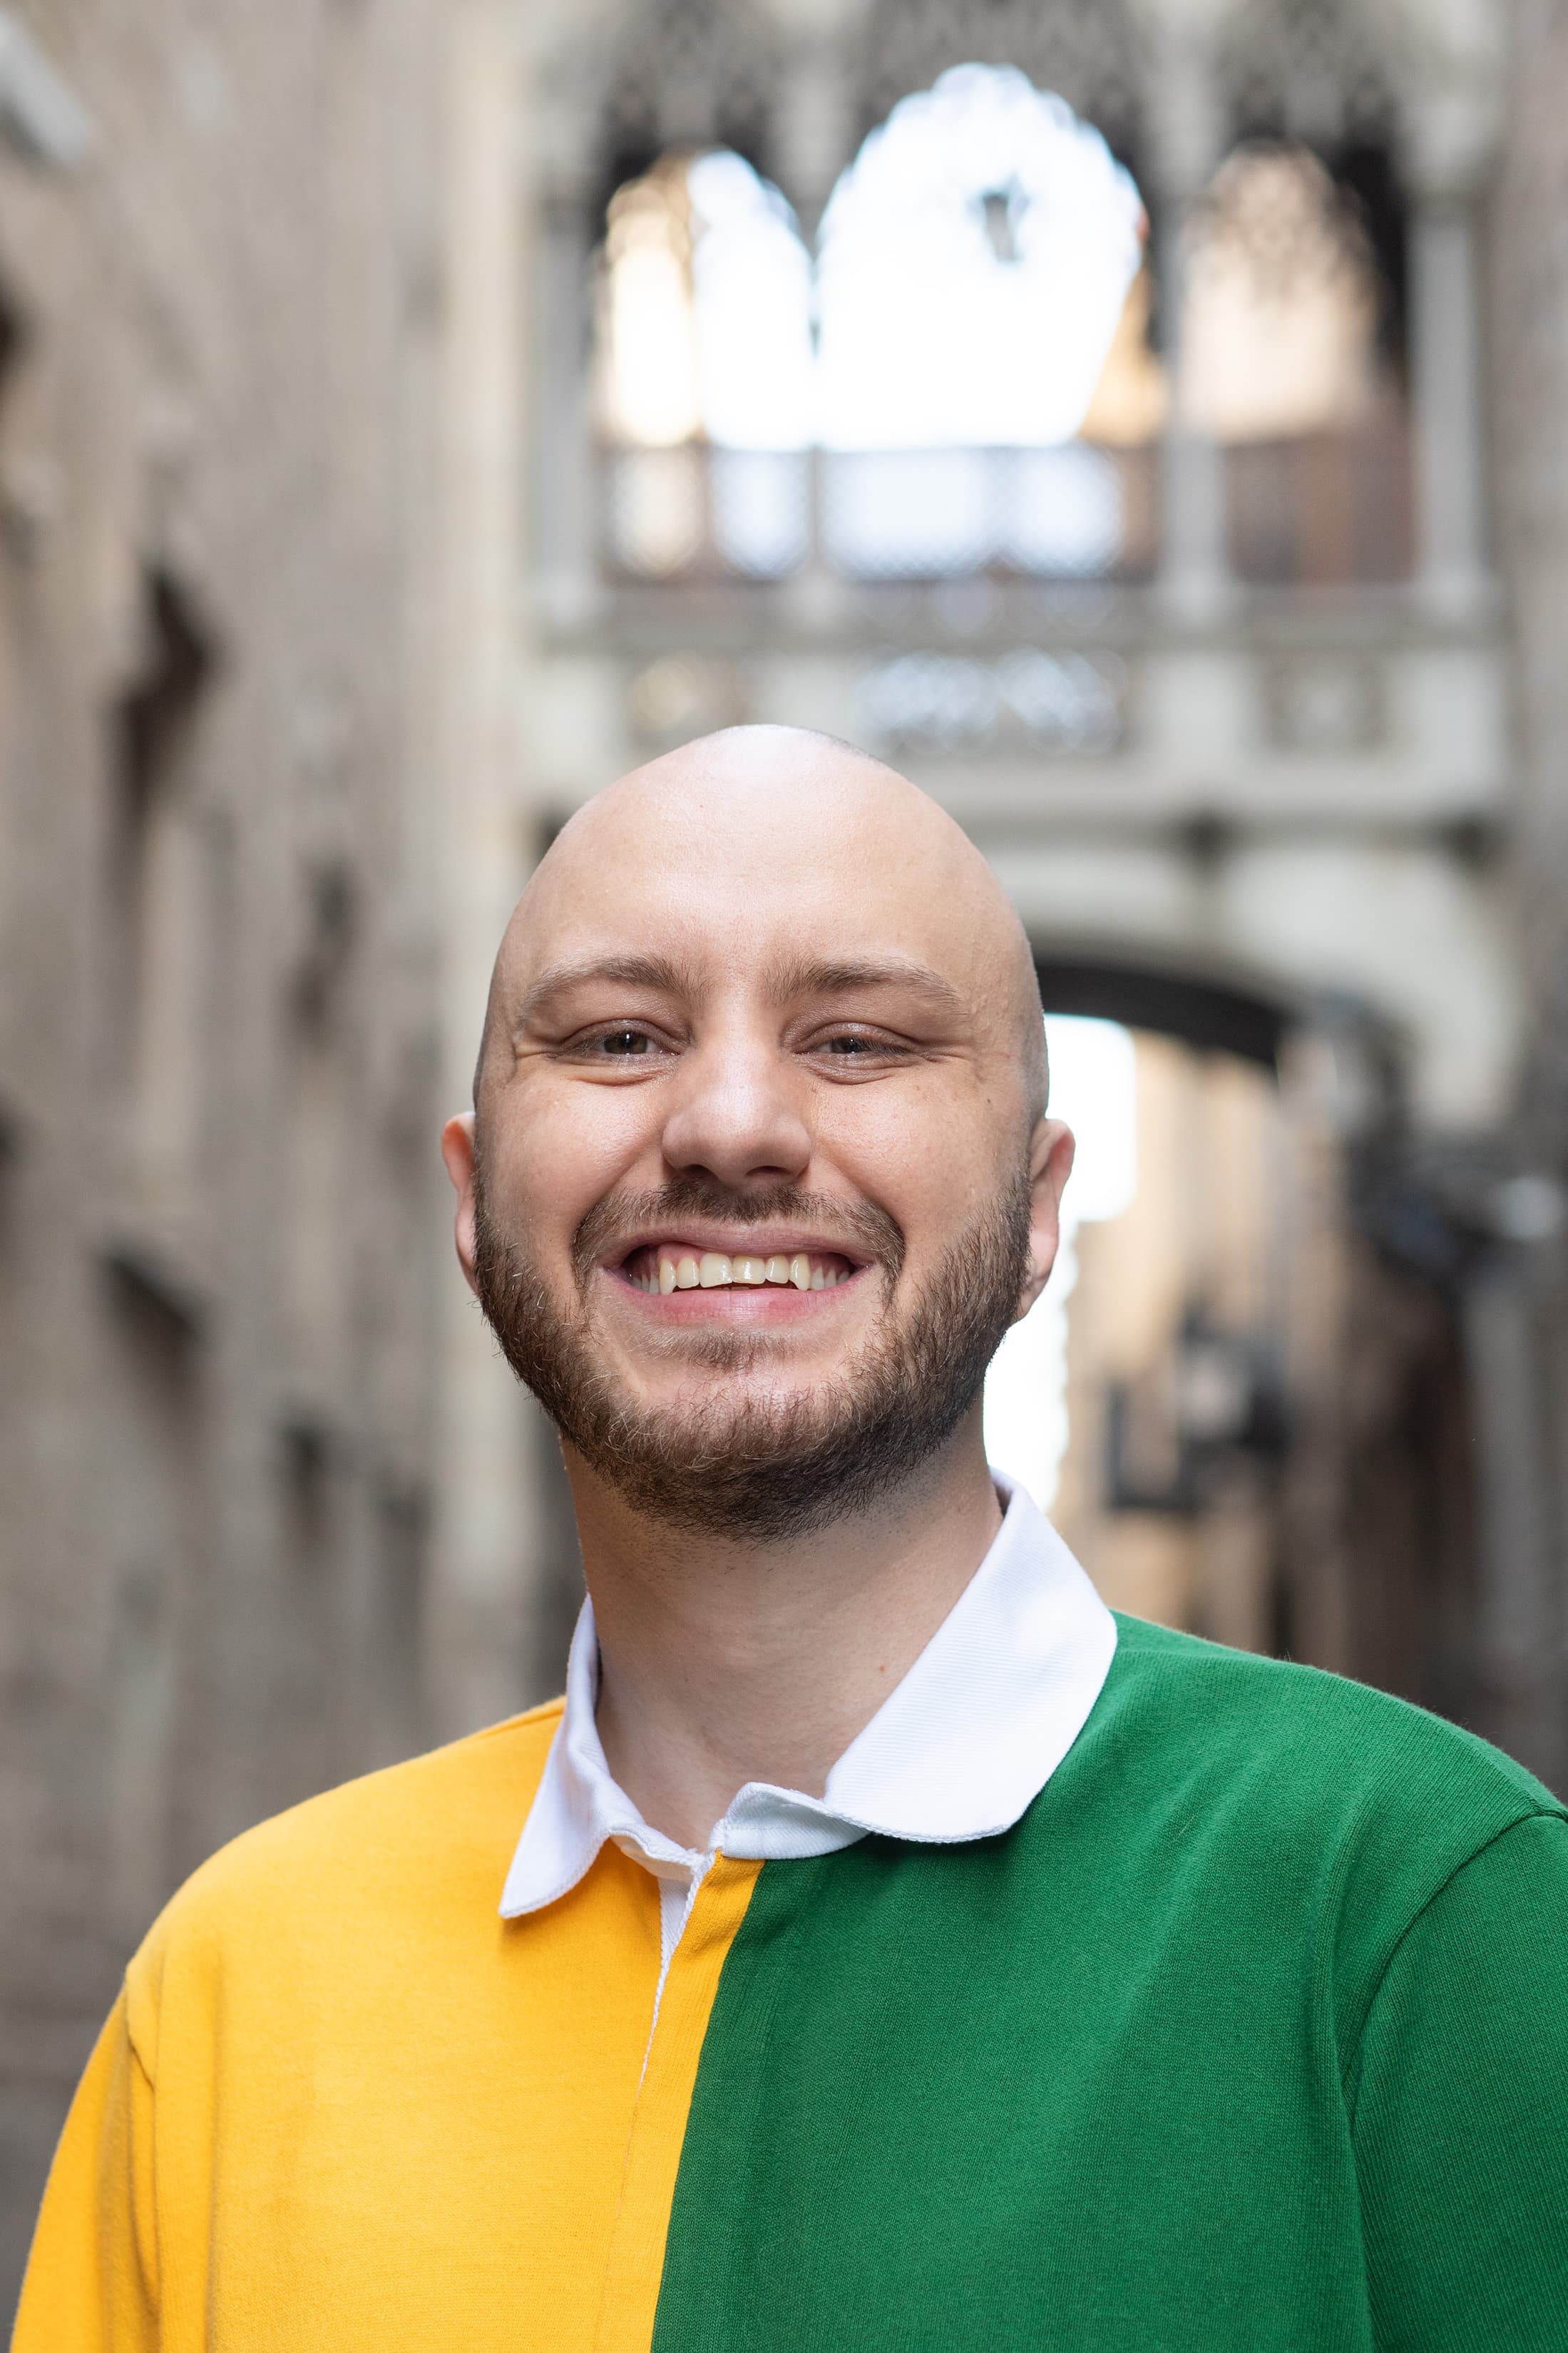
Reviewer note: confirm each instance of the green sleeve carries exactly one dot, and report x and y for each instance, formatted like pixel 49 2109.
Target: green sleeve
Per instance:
pixel 1461 2111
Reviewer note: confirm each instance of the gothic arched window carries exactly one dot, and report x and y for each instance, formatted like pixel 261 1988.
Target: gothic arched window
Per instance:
pixel 1281 316
pixel 969 309
pixel 707 310
pixel 975 262
pixel 1285 363
pixel 705 368
pixel 975 257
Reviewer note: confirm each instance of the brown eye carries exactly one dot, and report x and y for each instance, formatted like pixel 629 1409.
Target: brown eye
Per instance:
pixel 625 1041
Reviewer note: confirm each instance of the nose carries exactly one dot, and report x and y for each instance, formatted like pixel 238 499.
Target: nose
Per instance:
pixel 736 1116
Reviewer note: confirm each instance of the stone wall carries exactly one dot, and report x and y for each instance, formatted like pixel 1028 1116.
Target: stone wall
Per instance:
pixel 221 606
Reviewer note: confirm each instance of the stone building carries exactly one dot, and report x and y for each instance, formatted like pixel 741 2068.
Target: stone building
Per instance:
pixel 254 347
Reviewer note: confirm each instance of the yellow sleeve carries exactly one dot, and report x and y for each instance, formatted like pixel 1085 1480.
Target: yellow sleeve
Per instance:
pixel 92 2285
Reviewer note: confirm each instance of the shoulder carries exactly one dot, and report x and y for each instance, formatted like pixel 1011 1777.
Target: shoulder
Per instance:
pixel 1295 1795
pixel 448 1814
pixel 389 1857
pixel 1323 1732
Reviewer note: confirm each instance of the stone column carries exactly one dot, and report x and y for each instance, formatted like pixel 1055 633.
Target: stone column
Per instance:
pixel 814 128
pixel 1520 1616
pixel 1187 142
pixel 564 485
pixel 1195 575
pixel 813 131
pixel 1452 570
pixel 1320 1081
pixel 485 1563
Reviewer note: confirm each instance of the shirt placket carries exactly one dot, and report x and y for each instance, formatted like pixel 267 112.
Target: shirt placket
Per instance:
pixel 635 2258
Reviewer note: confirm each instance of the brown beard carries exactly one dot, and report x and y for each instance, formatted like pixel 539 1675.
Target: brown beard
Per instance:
pixel 743 1466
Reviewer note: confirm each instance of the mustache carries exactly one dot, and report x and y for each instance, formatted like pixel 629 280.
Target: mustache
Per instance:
pixel 619 1216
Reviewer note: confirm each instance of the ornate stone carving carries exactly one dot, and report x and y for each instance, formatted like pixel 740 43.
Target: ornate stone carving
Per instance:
pixel 1315 70
pixel 1086 50
pixel 1324 703
pixel 654 74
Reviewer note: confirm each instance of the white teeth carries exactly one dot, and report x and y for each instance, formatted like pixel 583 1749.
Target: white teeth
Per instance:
pixel 715 1270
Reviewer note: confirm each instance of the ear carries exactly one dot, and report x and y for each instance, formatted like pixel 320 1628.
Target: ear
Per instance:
pixel 457 1152
pixel 1051 1149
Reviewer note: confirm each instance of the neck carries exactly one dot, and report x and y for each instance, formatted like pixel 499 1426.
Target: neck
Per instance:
pixel 723 1662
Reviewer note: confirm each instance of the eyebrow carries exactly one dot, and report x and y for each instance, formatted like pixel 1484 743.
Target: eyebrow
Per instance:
pixel 622 970
pixel 810 978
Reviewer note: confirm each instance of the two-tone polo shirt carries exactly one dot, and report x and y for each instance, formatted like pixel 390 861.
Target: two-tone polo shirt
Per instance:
pixel 1119 1992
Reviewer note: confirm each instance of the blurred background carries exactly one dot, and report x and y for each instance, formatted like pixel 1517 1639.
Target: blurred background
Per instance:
pixel 1143 421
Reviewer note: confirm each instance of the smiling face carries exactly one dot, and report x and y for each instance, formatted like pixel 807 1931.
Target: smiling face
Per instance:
pixel 760 1180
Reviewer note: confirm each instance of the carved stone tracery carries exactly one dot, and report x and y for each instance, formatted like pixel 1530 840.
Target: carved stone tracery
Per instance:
pixel 1323 70
pixel 652 75
pixel 1087 51
pixel 639 77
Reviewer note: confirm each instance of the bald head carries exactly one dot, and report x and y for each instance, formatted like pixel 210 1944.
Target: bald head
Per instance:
pixel 886 870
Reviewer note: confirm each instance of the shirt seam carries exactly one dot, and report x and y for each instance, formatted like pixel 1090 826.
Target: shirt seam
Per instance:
pixel 147 2074
pixel 1532 1814
pixel 762 2074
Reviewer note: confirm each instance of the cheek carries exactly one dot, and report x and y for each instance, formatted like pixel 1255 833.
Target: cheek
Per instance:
pixel 556 1149
pixel 926 1152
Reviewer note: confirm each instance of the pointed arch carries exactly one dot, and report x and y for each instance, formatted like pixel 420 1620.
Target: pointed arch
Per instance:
pixel 1324 71
pixel 1088 51
pixel 974 261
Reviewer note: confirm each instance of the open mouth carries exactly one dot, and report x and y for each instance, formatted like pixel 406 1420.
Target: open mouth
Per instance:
pixel 661 1268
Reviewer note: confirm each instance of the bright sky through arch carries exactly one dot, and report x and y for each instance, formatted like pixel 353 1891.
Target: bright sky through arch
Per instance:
pixel 1094 1087
pixel 752 289
pixel 975 260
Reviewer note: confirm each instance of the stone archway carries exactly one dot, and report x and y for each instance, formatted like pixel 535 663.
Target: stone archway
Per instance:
pixel 1274 1443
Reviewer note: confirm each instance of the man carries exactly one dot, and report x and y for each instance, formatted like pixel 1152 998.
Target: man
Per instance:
pixel 893 1949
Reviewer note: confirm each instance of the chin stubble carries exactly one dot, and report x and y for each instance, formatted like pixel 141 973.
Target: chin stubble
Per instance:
pixel 751 1467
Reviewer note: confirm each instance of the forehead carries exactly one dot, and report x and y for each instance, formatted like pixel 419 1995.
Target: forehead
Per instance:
pixel 743 890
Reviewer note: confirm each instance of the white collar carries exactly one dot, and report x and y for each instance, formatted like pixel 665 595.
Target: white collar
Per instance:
pixel 957 1750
